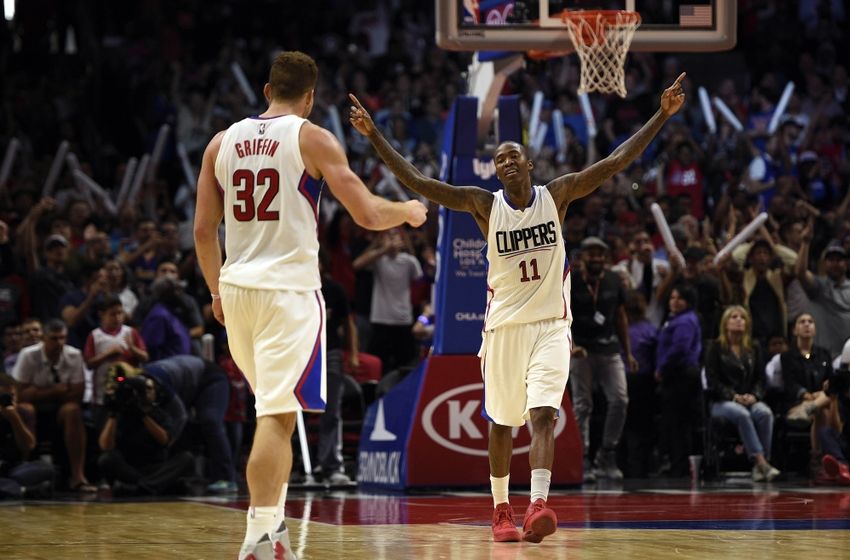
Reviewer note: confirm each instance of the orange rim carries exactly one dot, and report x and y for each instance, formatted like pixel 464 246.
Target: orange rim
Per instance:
pixel 608 19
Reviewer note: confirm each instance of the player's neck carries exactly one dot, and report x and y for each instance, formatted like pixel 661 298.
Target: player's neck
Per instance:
pixel 519 195
pixel 277 109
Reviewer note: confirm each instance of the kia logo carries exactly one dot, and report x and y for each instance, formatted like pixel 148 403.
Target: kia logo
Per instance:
pixel 460 413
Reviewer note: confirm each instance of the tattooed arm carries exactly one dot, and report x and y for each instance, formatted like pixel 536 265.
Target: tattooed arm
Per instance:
pixel 475 200
pixel 573 186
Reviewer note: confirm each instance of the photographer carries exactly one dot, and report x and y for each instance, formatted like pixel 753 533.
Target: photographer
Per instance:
pixel 203 388
pixel 833 429
pixel 18 477
pixel 144 420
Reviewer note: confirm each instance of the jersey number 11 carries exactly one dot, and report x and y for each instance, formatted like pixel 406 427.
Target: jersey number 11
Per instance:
pixel 532 264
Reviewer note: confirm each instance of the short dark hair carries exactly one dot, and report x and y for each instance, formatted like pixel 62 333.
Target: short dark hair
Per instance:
pixel 109 301
pixel 292 74
pixel 687 293
pixel 55 325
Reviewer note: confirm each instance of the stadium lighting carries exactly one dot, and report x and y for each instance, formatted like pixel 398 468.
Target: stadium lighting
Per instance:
pixel 9 9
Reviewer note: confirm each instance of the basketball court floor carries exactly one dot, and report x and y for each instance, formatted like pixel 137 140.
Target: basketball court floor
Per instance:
pixel 641 522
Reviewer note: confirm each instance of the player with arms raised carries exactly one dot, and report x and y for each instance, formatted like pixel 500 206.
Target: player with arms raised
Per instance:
pixel 526 337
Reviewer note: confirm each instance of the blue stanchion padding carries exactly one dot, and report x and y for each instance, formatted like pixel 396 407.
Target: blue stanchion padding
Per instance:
pixel 460 294
pixel 510 122
pixel 466 126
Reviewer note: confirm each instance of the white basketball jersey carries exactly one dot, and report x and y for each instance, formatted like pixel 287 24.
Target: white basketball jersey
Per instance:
pixel 270 206
pixel 527 263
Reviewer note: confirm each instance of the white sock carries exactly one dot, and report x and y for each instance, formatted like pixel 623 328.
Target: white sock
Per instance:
pixel 260 522
pixel 279 510
pixel 499 488
pixel 540 480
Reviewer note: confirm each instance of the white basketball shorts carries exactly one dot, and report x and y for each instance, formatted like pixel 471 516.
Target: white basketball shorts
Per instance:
pixel 524 366
pixel 277 338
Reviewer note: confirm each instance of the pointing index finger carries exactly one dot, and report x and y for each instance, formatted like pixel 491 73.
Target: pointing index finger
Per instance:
pixel 679 79
pixel 355 101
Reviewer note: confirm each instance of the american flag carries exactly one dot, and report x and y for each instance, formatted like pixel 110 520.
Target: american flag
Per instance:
pixel 695 16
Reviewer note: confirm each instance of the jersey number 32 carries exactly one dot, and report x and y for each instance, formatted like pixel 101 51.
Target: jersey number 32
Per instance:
pixel 245 208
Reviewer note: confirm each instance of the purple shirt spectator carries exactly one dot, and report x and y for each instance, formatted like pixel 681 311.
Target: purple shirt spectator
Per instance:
pixel 164 334
pixel 679 344
pixel 644 338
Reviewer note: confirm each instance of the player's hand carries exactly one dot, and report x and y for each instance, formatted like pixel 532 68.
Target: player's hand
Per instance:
pixel 673 97
pixel 416 212
pixel 359 117
pixel 217 310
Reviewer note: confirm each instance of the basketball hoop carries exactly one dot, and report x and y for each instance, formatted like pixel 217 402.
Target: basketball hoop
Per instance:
pixel 602 38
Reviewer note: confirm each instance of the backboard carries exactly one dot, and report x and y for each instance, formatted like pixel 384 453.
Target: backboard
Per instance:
pixel 521 25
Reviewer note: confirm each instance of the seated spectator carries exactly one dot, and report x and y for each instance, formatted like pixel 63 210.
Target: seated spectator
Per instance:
pixel 805 368
pixel 734 370
pixel 19 478
pixel 203 388
pixel 144 420
pixel 677 371
pixel 51 379
pixel 111 342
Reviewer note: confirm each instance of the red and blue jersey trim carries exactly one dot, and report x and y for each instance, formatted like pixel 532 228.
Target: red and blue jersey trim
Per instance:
pixel 311 189
pixel 308 391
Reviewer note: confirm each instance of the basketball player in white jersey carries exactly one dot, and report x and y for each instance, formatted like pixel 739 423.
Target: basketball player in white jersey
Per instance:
pixel 263 176
pixel 526 337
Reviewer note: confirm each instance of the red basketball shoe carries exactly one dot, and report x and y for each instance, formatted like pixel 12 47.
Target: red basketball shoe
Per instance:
pixel 837 471
pixel 540 521
pixel 504 527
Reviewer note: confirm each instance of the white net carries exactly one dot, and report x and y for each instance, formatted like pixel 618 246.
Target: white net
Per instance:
pixel 602 41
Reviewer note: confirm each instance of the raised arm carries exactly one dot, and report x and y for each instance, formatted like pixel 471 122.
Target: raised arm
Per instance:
pixel 324 157
pixel 475 200
pixel 806 278
pixel 573 186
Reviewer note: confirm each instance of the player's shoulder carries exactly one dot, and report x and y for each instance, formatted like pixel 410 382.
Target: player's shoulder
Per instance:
pixel 215 144
pixel 315 135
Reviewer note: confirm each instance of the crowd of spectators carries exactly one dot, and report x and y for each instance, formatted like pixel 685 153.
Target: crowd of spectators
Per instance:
pixel 85 286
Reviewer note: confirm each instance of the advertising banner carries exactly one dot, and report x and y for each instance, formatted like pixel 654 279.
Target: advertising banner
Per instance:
pixel 445 442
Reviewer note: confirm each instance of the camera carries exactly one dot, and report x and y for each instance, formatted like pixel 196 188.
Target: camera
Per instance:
pixel 129 395
pixel 5 400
